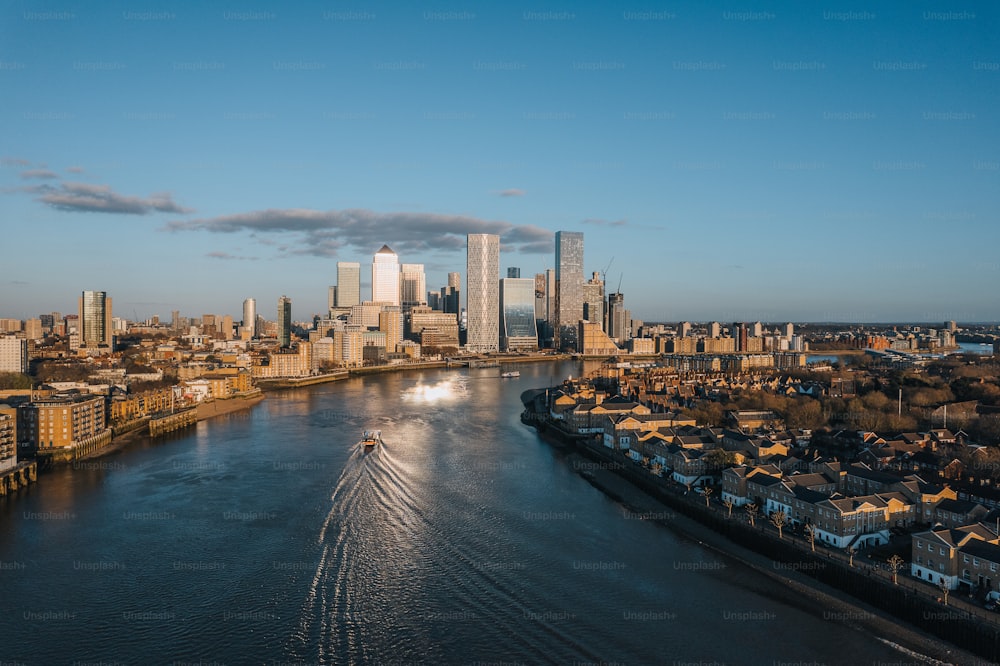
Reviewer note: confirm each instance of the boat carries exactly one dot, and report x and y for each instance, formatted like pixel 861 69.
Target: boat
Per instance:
pixel 510 373
pixel 371 438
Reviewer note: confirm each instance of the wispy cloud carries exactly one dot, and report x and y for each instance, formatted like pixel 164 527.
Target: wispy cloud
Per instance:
pixel 227 257
pixel 323 233
pixel 14 162
pixel 605 223
pixel 83 197
pixel 38 174
pixel 513 192
pixel 75 169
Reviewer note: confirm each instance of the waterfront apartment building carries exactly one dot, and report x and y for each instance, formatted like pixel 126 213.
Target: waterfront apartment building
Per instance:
pixel 569 289
pixel 13 354
pixel 385 276
pixel 62 422
pixel 348 290
pixel 95 320
pixel 593 341
pixel 8 438
pixel 483 282
pixel 390 322
pixel 517 305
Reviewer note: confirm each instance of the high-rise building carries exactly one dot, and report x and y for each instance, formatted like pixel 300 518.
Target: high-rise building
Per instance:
pixel 33 329
pixel 95 320
pixel 390 322
pixel 593 301
pixel 685 329
pixel 482 280
pixel 285 321
pixel 385 276
pixel 412 285
pixel 227 327
pixel 331 297
pixel 569 288
pixel 789 331
pixel 517 305
pixel 741 334
pixel 618 318
pixel 250 318
pixel 513 272
pixel 714 329
pixel 348 284
pixel 756 329
pixel 13 354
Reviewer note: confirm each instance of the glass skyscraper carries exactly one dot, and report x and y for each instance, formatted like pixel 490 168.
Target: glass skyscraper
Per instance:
pixel 569 288
pixel 483 284
pixel 348 284
pixel 385 276
pixel 285 321
pixel 517 304
pixel 95 319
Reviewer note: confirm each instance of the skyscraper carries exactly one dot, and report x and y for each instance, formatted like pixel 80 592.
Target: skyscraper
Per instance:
pixel 285 321
pixel 483 282
pixel 569 288
pixel 451 300
pixel 593 301
pixel 348 284
pixel 95 319
pixel 385 276
pixel 250 317
pixel 618 324
pixel 412 285
pixel 517 305
pixel 513 272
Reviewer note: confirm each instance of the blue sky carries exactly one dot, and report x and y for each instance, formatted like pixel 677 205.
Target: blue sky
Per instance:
pixel 766 161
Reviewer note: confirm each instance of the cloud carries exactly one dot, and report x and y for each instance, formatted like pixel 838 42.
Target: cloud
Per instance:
pixel 226 256
pixel 75 169
pixel 14 162
pixel 605 223
pixel 323 233
pixel 83 197
pixel 38 174
pixel 513 192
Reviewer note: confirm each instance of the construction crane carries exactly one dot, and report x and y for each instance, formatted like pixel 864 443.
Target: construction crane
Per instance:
pixel 604 273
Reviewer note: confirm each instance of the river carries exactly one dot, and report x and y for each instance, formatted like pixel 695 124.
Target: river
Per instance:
pixel 268 537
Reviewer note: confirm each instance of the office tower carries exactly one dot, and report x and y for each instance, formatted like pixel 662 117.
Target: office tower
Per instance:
pixel 227 327
pixel 685 329
pixel 250 317
pixel 483 282
pixel 390 322
pixel 348 284
pixel 513 272
pixel 714 329
pixel 593 301
pixel 569 288
pixel 95 319
pixel 789 331
pixel 618 316
pixel 412 285
pixel 756 329
pixel 285 321
pixel 517 305
pixel 385 277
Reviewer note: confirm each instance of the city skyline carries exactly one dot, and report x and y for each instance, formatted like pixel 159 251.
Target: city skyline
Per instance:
pixel 788 163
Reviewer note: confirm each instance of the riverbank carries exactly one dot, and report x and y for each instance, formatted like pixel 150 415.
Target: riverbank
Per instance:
pixel 791 586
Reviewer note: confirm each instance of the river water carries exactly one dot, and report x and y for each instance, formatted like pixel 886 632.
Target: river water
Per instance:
pixel 268 537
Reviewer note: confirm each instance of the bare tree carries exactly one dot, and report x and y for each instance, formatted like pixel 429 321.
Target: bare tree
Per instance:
pixel 729 504
pixel 752 511
pixel 810 531
pixel 779 519
pixel 708 493
pixel 943 586
pixel 895 563
pixel 851 551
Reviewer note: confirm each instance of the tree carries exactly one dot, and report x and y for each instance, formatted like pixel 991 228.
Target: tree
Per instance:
pixel 810 531
pixel 708 494
pixel 945 590
pixel 729 504
pixel 779 519
pixel 752 511
pixel 895 563
pixel 851 551
pixel 717 459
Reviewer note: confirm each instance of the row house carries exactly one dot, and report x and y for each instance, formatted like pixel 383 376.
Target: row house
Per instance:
pixel 753 446
pixel 589 418
pixel 924 496
pixel 936 555
pixel 953 513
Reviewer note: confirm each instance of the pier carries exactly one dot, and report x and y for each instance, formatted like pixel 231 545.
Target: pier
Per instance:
pixel 18 477
pixel 170 422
